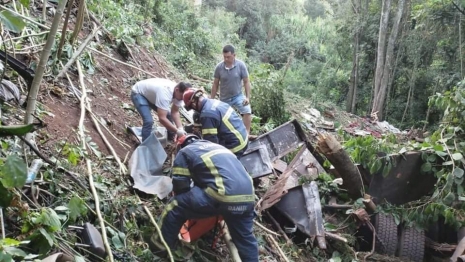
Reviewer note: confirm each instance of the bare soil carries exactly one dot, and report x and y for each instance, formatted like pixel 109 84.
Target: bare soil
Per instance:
pixel 109 93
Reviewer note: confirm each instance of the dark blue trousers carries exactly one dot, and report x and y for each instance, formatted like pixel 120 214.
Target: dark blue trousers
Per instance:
pixel 196 204
pixel 144 107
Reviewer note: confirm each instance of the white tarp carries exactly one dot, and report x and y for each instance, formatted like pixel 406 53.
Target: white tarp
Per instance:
pixel 146 166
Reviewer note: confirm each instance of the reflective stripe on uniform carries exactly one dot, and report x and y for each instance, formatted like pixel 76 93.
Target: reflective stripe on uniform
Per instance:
pixel 209 163
pixel 181 171
pixel 209 131
pixel 229 199
pixel 227 123
pixel 168 208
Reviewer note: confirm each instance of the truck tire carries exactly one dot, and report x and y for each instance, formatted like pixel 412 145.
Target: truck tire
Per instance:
pixel 386 234
pixel 412 244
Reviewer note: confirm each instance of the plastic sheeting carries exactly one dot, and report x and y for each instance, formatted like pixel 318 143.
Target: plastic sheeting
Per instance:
pixel 146 166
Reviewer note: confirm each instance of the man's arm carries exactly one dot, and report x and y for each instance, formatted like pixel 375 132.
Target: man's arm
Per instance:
pixel 163 118
pixel 181 174
pixel 176 116
pixel 247 90
pixel 210 129
pixel 215 85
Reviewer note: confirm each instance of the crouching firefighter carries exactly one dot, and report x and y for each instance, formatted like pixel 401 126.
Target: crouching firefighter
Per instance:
pixel 220 123
pixel 221 187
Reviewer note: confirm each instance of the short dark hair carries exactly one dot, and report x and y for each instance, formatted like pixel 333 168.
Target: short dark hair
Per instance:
pixel 228 49
pixel 183 86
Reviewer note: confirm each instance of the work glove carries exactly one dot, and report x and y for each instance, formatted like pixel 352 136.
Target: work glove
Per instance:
pixel 180 132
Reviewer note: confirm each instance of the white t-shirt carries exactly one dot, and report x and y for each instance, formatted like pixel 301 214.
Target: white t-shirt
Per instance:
pixel 158 91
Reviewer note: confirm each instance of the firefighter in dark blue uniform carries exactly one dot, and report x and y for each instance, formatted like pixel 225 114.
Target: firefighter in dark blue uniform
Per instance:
pixel 220 123
pixel 221 187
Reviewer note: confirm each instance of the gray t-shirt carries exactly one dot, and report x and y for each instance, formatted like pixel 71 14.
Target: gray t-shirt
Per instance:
pixel 158 91
pixel 231 79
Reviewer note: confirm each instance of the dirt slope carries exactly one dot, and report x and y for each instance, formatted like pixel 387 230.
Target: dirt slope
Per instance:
pixel 109 91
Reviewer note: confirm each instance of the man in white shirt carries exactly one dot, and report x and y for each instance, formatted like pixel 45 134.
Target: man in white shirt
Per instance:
pixel 158 94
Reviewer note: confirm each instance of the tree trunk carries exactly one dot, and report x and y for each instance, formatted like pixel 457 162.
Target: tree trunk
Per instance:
pixel 333 151
pixel 32 96
pixel 352 95
pixel 380 96
pixel 381 54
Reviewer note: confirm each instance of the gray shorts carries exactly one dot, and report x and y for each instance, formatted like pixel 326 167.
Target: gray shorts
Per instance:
pixel 236 103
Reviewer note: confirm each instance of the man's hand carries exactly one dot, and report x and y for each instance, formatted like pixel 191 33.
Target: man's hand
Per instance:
pixel 246 101
pixel 180 132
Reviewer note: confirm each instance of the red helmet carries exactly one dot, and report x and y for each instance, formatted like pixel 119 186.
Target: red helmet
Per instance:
pixel 186 140
pixel 191 95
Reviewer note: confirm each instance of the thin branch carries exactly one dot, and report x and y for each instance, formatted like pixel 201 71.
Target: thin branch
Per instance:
pixel 3 224
pixel 86 106
pixel 157 228
pixel 123 63
pixel 78 52
pixel 458 7
pixel 89 168
pixel 265 229
pixel 25 17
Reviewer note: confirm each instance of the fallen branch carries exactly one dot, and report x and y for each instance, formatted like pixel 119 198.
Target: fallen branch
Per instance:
pixel 54 164
pixel 86 105
pixel 336 237
pixel 89 169
pixel 3 224
pixel 157 227
pixel 78 52
pixel 25 18
pixel 288 241
pixel 199 78
pixel 266 229
pixel 459 250
pixel 121 62
pixel 228 240
pixel 273 242
pixel 370 225
pixel 31 35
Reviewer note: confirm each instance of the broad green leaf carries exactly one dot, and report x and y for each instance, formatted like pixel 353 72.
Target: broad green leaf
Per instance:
pixel 432 158
pixel 6 196
pixel 15 252
pixel 12 21
pixel 426 167
pixel 4 257
pixel 448 163
pixel 457 156
pixel 50 238
pixel 14 172
pixel 50 218
pixel 458 172
pixel 76 208
pixel 438 148
pixel 61 208
pixel 117 242
pixel 450 197
pixel 9 242
pixel 25 3
pixel 441 153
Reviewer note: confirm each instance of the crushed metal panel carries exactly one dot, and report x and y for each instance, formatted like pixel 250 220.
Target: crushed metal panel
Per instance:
pixel 302 206
pixel 306 166
pixel 257 162
pixel 281 140
pixel 279 165
pixel 315 217
pixel 292 206
pixel 405 181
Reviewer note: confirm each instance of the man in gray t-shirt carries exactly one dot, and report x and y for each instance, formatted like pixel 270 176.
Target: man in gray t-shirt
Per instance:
pixel 229 76
pixel 158 94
